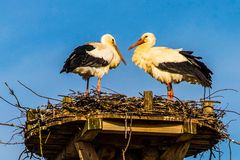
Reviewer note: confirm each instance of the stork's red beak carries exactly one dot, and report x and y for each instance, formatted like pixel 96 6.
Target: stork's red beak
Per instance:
pixel 140 41
pixel 120 55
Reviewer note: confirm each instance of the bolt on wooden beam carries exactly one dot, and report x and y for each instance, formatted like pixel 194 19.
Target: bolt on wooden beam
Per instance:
pixel 148 100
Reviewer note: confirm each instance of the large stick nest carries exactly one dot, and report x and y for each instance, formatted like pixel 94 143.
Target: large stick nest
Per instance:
pixel 86 105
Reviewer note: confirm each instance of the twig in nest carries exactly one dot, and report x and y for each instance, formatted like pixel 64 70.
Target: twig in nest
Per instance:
pixel 229 138
pixel 111 90
pixel 11 143
pixel 16 98
pixel 219 152
pixel 230 149
pixel 217 96
pixel 18 105
pixel 174 97
pixel 15 134
pixel 26 151
pixel 37 93
pixel 8 102
pixel 227 124
pixel 220 90
pixel 17 118
pixel 11 125
pixel 23 152
pixel 73 92
pixel 201 156
pixel 140 94
pixel 228 111
pixel 211 153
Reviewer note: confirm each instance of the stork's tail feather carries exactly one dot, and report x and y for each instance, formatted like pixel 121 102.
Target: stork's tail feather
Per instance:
pixel 206 74
pixel 63 70
pixel 207 80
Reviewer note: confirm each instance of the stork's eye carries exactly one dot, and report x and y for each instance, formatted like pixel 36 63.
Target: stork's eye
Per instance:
pixel 113 40
pixel 145 36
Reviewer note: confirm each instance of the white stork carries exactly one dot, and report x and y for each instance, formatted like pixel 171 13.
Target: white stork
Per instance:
pixel 94 59
pixel 169 65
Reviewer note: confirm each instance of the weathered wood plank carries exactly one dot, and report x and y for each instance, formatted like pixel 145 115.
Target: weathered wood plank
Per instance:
pixel 179 150
pixel 91 128
pixel 190 127
pixel 86 151
pixel 160 128
pixel 148 100
pixel 150 153
pixel 68 150
pixel 176 152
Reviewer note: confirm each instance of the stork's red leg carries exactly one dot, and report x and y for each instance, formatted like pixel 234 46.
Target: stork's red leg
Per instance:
pixel 170 93
pixel 99 86
pixel 87 93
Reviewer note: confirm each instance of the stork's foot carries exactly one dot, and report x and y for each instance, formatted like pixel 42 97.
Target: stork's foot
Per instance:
pixel 87 93
pixel 99 93
pixel 99 87
pixel 170 95
pixel 99 90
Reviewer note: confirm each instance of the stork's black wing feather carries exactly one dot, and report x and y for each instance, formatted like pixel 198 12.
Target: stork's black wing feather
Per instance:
pixel 80 58
pixel 189 72
pixel 186 52
pixel 189 54
pixel 200 65
pixel 193 71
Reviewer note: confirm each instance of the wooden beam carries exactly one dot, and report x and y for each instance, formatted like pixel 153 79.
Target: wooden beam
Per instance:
pixel 69 151
pixel 148 100
pixel 176 151
pixel 184 137
pixel 150 153
pixel 86 151
pixel 179 150
pixel 91 128
pixel 144 128
pixel 106 152
pixel 190 126
pixel 94 126
pixel 145 116
pixel 76 148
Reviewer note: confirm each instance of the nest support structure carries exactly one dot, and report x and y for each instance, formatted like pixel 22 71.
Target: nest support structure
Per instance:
pixel 117 127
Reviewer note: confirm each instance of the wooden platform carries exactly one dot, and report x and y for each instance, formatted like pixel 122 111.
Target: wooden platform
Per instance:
pixel 73 136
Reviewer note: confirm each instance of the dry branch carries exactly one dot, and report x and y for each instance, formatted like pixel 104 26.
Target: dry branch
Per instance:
pixel 45 97
pixel 11 125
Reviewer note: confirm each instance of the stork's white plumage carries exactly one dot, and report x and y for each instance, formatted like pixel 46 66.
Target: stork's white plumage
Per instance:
pixel 94 59
pixel 169 65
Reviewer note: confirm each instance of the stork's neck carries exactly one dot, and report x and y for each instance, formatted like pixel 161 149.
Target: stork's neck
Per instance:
pixel 116 58
pixel 140 55
pixel 143 48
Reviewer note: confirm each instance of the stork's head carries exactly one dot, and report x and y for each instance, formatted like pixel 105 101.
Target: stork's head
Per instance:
pixel 108 39
pixel 148 38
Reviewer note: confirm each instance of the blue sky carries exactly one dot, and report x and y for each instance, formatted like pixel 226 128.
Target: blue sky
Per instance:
pixel 36 37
